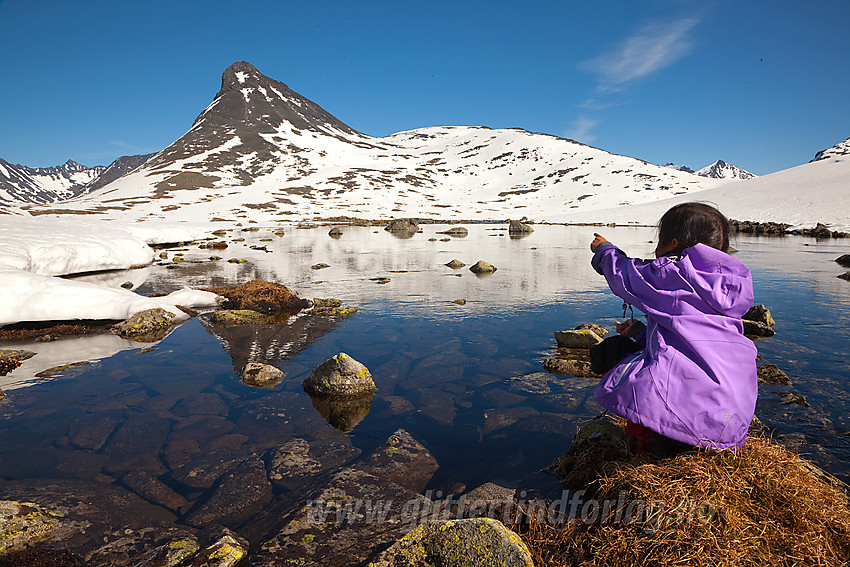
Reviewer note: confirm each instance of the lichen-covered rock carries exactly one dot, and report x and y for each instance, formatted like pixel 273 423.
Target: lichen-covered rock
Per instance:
pixel 23 524
pixel 402 460
pixel 261 375
pixel 234 317
pixel 146 326
pixel 298 461
pixel 240 494
pixel 482 267
pixel 583 338
pixel 340 375
pixel 229 550
pixel 171 553
pixel 772 374
pixel 11 359
pixel 455 264
pixel 760 314
pixel 517 227
pixel 472 541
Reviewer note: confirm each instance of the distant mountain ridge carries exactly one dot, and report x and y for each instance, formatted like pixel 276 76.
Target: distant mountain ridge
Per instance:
pixel 839 149
pixel 44 185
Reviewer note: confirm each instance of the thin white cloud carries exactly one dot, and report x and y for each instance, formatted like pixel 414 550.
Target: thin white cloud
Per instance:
pixel 581 129
pixel 650 49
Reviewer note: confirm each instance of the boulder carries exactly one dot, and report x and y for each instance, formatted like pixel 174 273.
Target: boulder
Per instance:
pixel 569 367
pixel 582 338
pixel 340 375
pixel 457 231
pixel 482 267
pixel 844 260
pixel 760 314
pixel 455 264
pixel 472 541
pixel 331 308
pixel 845 276
pixel 261 375
pixel 146 326
pixel 598 329
pixel 335 232
pixel 757 329
pixel 518 227
pixel 401 460
pixel 403 226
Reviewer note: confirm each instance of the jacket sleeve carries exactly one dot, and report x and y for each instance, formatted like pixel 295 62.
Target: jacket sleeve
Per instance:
pixel 647 285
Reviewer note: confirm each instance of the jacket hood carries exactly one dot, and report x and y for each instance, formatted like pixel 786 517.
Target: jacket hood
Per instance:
pixel 722 281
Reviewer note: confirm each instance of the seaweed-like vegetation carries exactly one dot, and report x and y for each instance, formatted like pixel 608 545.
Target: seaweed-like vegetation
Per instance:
pixel 260 295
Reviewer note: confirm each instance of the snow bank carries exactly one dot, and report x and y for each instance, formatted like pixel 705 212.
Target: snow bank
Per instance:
pixel 34 249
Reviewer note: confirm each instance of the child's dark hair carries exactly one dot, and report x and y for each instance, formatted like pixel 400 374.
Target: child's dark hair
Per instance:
pixel 693 223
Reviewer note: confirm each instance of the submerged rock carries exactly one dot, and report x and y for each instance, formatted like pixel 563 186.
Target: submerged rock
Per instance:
pixel 340 375
pixel 569 367
pixel 482 267
pixel 240 494
pixel 402 460
pixel 235 317
pixel 298 461
pixel 473 541
pixel 146 326
pixel 24 524
pixel 261 375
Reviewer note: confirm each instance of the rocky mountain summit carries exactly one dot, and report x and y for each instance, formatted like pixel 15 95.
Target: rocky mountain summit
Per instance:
pixel 264 152
pixel 722 170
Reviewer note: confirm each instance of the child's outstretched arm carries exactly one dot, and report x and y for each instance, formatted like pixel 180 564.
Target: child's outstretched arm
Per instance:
pixel 597 241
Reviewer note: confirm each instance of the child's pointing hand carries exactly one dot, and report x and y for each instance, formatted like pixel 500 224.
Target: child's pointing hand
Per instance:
pixel 597 241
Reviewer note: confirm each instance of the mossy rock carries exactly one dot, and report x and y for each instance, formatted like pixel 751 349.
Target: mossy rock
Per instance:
pixel 259 375
pixel 482 267
pixel 569 367
pixel 772 374
pixel 146 326
pixel 598 329
pixel 340 375
pixel 583 338
pixel 467 542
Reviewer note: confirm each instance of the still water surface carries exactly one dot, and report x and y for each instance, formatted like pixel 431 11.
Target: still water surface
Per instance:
pixel 443 371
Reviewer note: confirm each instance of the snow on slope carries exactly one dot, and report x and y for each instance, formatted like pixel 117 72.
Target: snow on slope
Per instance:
pixel 801 196
pixel 261 151
pixel 20 183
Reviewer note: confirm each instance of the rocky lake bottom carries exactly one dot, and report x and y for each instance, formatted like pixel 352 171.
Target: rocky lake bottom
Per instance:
pixel 167 434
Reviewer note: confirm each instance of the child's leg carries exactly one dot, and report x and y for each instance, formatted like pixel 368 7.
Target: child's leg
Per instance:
pixel 608 354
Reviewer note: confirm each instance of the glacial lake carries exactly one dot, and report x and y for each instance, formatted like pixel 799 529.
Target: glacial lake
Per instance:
pixel 444 372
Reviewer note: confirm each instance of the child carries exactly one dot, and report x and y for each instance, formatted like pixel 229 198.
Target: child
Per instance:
pixel 692 374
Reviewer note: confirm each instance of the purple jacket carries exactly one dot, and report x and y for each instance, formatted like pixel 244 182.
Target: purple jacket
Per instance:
pixel 695 380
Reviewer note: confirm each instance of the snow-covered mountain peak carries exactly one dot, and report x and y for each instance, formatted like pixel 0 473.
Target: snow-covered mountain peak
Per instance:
pixel 722 170
pixel 677 167
pixel 839 149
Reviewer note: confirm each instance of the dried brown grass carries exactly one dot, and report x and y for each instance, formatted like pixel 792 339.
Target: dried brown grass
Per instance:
pixel 259 295
pixel 768 507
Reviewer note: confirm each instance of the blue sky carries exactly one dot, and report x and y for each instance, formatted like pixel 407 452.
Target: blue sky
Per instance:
pixel 763 84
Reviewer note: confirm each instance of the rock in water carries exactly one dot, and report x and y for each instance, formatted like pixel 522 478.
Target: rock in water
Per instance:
pixel 404 226
pixel 146 326
pixel 757 329
pixel 458 231
pixel 335 232
pixel 760 314
pixel 482 267
pixel 455 264
pixel 261 375
pixel 598 329
pixel 584 338
pixel 473 541
pixel 340 375
pixel 517 227
pixel 235 317
pixel 845 276
pixel 772 374
pixel 844 260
